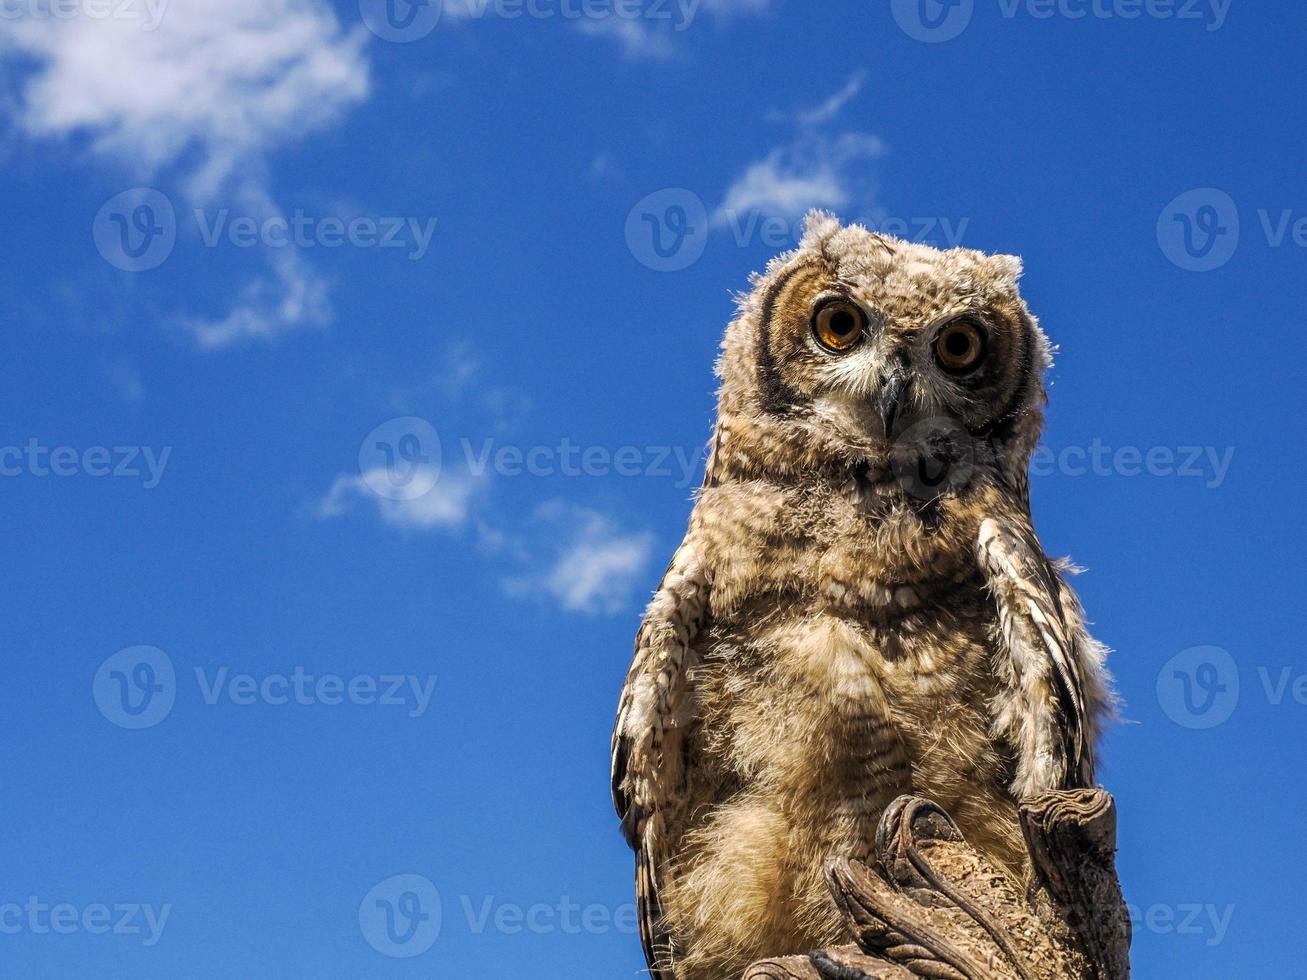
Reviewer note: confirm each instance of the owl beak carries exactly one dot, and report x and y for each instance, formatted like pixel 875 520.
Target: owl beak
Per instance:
pixel 893 396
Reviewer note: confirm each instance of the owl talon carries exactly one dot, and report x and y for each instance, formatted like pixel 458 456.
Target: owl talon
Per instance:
pixel 828 969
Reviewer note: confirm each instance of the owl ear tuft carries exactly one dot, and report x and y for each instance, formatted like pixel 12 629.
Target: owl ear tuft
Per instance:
pixel 818 228
pixel 1007 268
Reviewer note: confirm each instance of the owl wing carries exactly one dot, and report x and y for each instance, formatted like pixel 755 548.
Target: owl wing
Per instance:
pixel 1048 661
pixel 649 738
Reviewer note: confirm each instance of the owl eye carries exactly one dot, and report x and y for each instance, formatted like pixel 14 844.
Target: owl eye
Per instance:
pixel 838 325
pixel 960 347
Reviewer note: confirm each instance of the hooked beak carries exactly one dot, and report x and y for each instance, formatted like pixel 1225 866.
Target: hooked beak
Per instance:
pixel 893 396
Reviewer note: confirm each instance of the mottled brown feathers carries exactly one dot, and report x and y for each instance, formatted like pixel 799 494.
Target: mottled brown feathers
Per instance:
pixel 860 608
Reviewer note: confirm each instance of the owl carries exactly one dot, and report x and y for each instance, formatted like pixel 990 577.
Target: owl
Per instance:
pixel 860 607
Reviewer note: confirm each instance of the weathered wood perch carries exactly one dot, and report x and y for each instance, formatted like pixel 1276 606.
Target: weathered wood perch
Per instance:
pixel 933 907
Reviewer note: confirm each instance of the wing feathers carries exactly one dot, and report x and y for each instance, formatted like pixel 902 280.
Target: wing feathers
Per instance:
pixel 653 714
pixel 1045 715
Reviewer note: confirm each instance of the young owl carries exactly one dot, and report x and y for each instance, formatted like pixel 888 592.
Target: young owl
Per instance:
pixel 860 608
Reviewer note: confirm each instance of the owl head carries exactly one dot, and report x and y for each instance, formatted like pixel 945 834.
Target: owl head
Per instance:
pixel 859 353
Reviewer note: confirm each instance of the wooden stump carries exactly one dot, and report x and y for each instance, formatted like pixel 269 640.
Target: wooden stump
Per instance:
pixel 933 907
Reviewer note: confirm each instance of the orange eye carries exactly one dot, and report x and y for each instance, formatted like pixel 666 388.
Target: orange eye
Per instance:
pixel 959 346
pixel 838 325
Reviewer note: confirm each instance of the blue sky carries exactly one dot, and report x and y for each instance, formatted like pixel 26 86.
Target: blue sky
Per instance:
pixel 355 392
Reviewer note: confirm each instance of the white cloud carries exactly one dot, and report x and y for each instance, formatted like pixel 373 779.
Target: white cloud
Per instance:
pixel 831 108
pixel 594 565
pixel 201 91
pixel 446 506
pixel 815 171
pixel 636 37
pixel 226 80
pixel 574 556
pixel 294 296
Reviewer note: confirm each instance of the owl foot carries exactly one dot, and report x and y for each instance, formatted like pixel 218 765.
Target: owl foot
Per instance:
pixel 841 963
pixel 933 906
pixel 828 969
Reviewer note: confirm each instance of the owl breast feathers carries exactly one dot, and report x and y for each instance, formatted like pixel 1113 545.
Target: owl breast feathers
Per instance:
pixel 860 607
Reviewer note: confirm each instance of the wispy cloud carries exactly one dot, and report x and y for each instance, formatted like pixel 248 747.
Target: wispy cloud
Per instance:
pixel 218 81
pixel 569 555
pixel 814 171
pixel 292 297
pixel 828 109
pixel 592 565
pixel 201 97
pixel 445 506
pixel 637 38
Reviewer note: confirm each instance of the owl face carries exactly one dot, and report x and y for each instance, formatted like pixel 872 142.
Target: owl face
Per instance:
pixel 862 349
